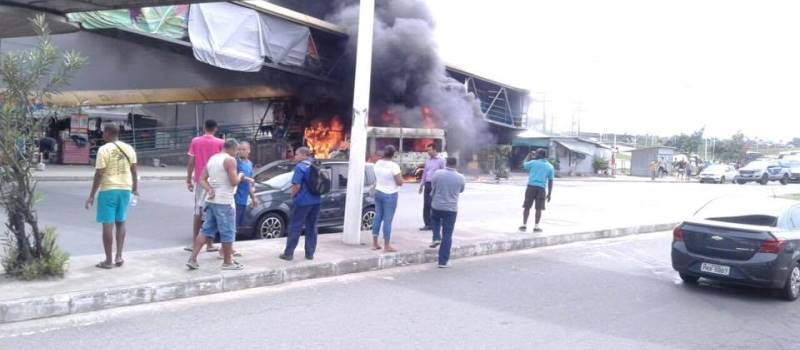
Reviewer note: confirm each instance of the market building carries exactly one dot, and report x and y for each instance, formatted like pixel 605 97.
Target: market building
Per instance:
pixel 159 72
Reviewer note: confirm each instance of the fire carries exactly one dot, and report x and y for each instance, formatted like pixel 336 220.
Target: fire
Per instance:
pixel 427 118
pixel 324 138
pixel 389 119
pixel 421 145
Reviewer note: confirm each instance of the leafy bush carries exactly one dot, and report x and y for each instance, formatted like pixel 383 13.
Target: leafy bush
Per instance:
pixel 600 165
pixel 52 262
pixel 29 79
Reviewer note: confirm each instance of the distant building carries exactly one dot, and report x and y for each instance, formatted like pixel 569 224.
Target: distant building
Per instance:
pixel 642 157
pixel 574 156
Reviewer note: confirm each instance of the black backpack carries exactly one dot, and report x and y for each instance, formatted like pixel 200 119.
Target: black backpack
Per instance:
pixel 318 181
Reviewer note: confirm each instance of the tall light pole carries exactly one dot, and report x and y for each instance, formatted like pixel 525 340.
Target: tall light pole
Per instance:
pixel 358 131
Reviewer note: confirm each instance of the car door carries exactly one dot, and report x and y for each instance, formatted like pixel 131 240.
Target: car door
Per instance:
pixel 774 170
pixel 338 192
pixel 328 206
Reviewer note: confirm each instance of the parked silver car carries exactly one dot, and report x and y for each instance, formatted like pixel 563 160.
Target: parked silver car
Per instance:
pixel 748 241
pixel 718 173
pixel 764 171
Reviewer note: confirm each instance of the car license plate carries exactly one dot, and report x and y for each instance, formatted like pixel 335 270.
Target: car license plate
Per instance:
pixel 715 269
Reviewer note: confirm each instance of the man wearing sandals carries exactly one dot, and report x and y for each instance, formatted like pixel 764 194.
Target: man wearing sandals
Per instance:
pixel 115 177
pixel 201 150
pixel 220 179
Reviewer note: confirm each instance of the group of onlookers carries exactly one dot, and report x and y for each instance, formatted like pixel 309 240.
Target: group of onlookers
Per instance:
pixel 219 173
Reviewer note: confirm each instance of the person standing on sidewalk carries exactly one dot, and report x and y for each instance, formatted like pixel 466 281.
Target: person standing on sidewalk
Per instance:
pixel 447 185
pixel 220 180
pixel 116 178
pixel 540 174
pixel 305 209
pixel 432 165
pixel 245 191
pixel 201 150
pixel 388 181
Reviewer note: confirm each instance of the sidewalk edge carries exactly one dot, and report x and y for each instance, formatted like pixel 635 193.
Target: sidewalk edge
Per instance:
pixel 87 301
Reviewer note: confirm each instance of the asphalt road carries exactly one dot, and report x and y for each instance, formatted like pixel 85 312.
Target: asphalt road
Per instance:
pixel 163 217
pixel 610 294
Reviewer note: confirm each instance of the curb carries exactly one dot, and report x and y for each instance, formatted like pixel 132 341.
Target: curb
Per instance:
pixel 90 178
pixel 87 301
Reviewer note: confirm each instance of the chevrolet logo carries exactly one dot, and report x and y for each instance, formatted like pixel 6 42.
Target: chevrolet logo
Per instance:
pixel 716 238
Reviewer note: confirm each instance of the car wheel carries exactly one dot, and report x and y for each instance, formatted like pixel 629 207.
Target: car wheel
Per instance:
pixel 791 291
pixel 368 219
pixel 271 225
pixel 785 180
pixel 723 180
pixel 689 278
pixel 764 179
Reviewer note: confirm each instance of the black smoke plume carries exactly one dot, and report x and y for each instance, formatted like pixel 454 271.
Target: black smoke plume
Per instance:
pixel 408 73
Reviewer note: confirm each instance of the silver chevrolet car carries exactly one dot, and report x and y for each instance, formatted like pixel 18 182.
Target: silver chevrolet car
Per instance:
pixel 747 241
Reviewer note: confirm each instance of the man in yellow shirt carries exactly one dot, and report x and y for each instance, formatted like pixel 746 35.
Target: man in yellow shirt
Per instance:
pixel 115 176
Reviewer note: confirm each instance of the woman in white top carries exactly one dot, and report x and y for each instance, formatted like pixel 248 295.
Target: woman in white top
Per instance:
pixel 388 182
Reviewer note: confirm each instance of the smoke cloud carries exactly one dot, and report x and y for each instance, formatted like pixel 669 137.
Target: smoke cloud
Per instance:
pixel 408 73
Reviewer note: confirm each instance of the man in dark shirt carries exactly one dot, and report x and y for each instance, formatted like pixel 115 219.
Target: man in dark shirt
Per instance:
pixel 305 210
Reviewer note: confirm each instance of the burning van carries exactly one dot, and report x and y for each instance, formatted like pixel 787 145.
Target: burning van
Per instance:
pixel 411 145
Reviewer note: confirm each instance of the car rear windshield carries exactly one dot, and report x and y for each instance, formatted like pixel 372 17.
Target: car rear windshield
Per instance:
pixel 740 211
pixel 758 220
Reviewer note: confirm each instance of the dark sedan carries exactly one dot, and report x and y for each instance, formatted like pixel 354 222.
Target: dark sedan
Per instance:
pixel 269 219
pixel 752 241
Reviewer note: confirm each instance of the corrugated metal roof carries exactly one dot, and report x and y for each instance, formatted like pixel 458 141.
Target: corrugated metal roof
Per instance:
pixel 578 146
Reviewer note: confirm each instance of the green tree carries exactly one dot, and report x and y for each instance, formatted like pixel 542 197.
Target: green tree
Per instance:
pixel 733 149
pixel 28 79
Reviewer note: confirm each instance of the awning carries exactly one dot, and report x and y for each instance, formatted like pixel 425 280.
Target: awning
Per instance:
pixel 531 142
pixel 238 38
pixel 577 146
pixel 161 96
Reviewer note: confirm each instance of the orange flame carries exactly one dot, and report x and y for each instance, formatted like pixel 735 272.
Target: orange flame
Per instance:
pixel 323 138
pixel 427 118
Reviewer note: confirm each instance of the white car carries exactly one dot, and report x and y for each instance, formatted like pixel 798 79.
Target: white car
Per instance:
pixel 793 163
pixel 718 173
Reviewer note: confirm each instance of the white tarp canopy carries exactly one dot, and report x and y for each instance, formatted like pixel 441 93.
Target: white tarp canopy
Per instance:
pixel 237 38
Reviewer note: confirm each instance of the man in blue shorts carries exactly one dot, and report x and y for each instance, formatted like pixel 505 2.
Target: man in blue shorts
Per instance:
pixel 540 174
pixel 115 177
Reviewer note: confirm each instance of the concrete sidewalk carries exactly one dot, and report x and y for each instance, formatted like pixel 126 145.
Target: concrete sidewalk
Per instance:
pixel 160 275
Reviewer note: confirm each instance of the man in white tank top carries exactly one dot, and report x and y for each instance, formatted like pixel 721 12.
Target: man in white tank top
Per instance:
pixel 220 180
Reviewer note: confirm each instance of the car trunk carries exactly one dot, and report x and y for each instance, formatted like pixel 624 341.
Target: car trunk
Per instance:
pixel 723 240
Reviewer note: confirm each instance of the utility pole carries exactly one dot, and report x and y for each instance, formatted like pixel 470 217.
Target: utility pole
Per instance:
pixel 358 132
pixel 544 101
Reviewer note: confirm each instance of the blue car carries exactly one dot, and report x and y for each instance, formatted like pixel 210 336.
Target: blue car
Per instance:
pixel 270 218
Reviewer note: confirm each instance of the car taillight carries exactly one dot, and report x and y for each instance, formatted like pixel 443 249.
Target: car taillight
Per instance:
pixel 772 246
pixel 677 234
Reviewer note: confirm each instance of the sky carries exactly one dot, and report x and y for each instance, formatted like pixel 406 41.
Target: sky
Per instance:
pixel 637 66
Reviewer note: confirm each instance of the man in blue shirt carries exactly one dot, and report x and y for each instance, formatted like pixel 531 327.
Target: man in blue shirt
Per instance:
pixel 305 210
pixel 244 191
pixel 540 174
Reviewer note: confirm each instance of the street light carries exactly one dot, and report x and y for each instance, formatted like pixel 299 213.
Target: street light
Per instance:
pixel 358 132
